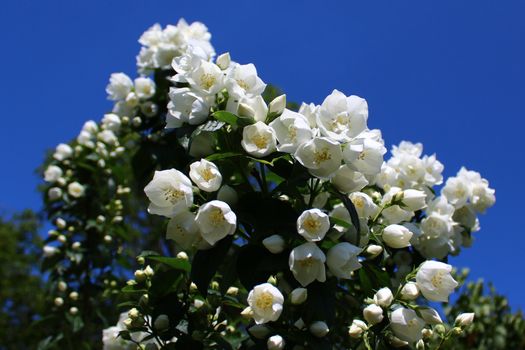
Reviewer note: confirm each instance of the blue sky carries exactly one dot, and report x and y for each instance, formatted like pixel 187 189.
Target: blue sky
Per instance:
pixel 449 74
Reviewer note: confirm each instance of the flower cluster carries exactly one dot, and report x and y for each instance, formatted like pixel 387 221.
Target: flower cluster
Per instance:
pixel 278 214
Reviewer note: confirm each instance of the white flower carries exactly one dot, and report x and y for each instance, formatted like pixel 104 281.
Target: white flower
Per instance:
pixel 186 106
pixel 54 193
pixel 298 296
pixel 169 192
pixel 397 236
pixel 342 118
pixel 52 173
pixel 357 328
pixel 347 180
pixel 144 88
pixel 62 152
pixel 275 244
pixel 206 175
pixel 111 121
pixel 364 155
pixel 252 107
pixel 275 342
pixel 258 139
pixel 291 130
pixel 307 263
pixel 406 324
pixel 216 220
pixel 384 297
pixel 243 80
pixel 414 199
pixel 75 190
pixel 277 105
pixel 319 329
pixel 90 126
pixel 457 191
pixel 183 229
pixel 321 156
pixel 410 291
pixel 207 78
pixel 342 259
pixel 435 281
pixel 227 194
pixel 85 139
pixel 465 319
pixel 373 314
pixel 430 315
pixel 313 225
pixel 364 205
pixel 119 86
pixel 266 302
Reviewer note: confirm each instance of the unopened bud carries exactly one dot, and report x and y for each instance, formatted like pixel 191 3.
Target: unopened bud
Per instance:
pixel 319 329
pixel 299 296
pixel 278 105
pixel 275 244
pixel 374 250
pixel 162 322
pixel 223 61
pixel 183 256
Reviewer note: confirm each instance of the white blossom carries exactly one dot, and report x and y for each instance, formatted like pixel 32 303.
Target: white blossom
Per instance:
pixel 63 152
pixel 347 180
pixel 275 342
pixel 216 220
pixel 183 229
pixel 144 88
pixel 258 139
pixel 397 236
pixel 410 291
pixel 120 85
pixel 206 175
pixel 383 297
pixel 307 263
pixel 435 281
pixel 266 302
pixel 342 259
pixel 357 328
pixel 242 80
pixel 321 156
pixel 75 190
pixel 291 130
pixel 364 155
pixel 406 324
pixel 313 225
pixel 169 192
pixel 52 173
pixel 111 121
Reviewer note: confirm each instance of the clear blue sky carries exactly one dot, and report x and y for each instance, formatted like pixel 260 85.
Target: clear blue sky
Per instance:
pixel 449 74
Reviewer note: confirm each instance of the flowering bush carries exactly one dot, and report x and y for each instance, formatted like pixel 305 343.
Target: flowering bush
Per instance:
pixel 289 228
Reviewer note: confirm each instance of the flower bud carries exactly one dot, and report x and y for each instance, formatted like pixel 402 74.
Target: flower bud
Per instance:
pixel 319 329
pixel 246 110
pixel 73 296
pixel 357 328
pixel 410 291
pixel 299 296
pixel 275 342
pixel 133 314
pixel 465 319
pixel 430 315
pixel 232 291
pixel 144 300
pixel 227 195
pixel 272 280
pixel 223 61
pixel 183 256
pixel 62 239
pixel 299 324
pixel 59 301
pixel 140 276
pixel 414 199
pixel 440 329
pixel 162 322
pixel 61 223
pixel 73 310
pixel 141 260
pixel 198 303
pixel 373 314
pixel 397 236
pixel 76 245
pixel 62 286
pixel 383 297
pixel 108 238
pixel 457 330
pixel 275 244
pixel 427 333
pixel 247 312
pixel 374 250
pixel 148 271
pixel 277 105
pixel 420 345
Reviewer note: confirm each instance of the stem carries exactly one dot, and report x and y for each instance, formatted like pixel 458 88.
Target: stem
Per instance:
pixel 263 176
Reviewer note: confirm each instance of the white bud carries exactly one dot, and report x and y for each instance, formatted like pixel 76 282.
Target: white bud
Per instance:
pixel 465 319
pixel 247 312
pixel 61 223
pixel 319 329
pixel 275 244
pixel 275 342
pixel 430 315
pixel 59 301
pixel 232 291
pixel 374 250
pixel 223 61
pixel 420 345
pixel 76 245
pixel 299 324
pixel 62 286
pixel 373 314
pixel 73 310
pixel 410 291
pixel 227 195
pixel 383 297
pixel 246 110
pixel 148 271
pixel 73 296
pixel 357 328
pixel 198 303
pixel 183 256
pixel 299 296
pixel 278 105
pixel 397 236
pixel 107 238
pixel 140 276
pixel 133 314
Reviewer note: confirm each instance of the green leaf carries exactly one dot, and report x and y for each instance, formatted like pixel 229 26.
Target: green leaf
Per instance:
pixel 339 222
pixel 232 119
pixel 206 262
pixel 224 155
pixel 176 263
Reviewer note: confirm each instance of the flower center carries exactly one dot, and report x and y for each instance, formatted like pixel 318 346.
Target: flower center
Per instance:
pixel 173 195
pixel 437 279
pixel 216 217
pixel 207 80
pixel 207 174
pixel 322 156
pixel 307 262
pixel 264 301
pixel 310 224
pixel 243 84
pixel 260 140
